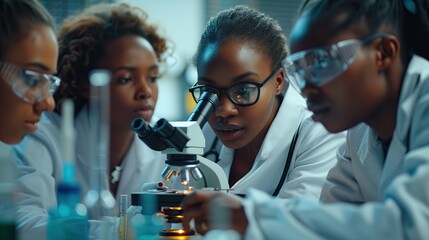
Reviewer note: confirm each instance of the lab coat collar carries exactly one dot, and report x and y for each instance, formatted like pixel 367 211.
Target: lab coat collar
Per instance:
pixel 290 114
pixel 292 110
pixel 407 98
pixel 371 153
pixel 132 164
pixel 370 149
pixel 407 101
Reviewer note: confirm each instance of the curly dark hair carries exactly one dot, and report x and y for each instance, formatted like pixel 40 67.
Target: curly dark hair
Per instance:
pixel 247 24
pixel 16 15
pixel 82 39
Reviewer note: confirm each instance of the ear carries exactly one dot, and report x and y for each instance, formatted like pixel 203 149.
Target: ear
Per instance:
pixel 388 50
pixel 280 81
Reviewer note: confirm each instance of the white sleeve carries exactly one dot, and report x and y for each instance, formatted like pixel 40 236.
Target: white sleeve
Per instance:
pixel 35 186
pixel 314 157
pixel 341 185
pixel 39 168
pixel 403 213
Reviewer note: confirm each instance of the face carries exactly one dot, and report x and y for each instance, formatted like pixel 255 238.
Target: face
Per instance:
pixel 36 51
pixel 134 90
pixel 233 62
pixel 358 93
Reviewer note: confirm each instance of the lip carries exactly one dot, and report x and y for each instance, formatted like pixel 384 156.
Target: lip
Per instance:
pixel 229 132
pixel 144 111
pixel 31 125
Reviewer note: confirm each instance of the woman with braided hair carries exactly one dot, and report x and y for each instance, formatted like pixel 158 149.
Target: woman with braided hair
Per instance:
pixel 115 37
pixel 361 68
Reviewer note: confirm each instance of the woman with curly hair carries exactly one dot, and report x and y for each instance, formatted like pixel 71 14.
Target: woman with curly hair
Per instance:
pixel 116 38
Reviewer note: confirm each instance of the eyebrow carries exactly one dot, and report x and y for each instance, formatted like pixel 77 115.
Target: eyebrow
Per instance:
pixel 233 80
pixel 133 69
pixel 39 66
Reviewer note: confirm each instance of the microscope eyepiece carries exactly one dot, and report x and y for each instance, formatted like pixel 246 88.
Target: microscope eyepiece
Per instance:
pixel 139 126
pixel 205 106
pixel 148 135
pixel 172 135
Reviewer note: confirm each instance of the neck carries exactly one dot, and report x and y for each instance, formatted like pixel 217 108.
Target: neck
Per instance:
pixel 384 120
pixel 248 153
pixel 244 158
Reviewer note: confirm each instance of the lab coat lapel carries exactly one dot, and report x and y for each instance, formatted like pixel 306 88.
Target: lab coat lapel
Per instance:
pixel 394 164
pixel 399 145
pixel 132 166
pixel 284 124
pixel 279 136
pixel 370 152
pixel 139 164
pixel 226 155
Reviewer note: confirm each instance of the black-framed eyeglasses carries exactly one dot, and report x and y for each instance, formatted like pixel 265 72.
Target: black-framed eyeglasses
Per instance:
pixel 241 94
pixel 30 86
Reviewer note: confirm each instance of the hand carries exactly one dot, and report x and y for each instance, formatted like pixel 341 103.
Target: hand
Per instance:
pixel 214 210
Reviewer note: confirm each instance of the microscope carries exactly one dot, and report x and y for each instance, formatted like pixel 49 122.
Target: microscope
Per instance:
pixel 186 170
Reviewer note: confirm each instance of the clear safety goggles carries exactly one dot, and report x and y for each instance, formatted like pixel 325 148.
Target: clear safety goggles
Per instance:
pixel 319 66
pixel 241 94
pixel 29 85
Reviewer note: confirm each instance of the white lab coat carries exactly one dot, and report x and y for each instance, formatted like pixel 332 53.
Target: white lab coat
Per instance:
pixel 40 169
pixel 313 156
pixel 393 189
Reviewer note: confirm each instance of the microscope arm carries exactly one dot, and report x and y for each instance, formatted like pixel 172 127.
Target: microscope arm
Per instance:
pixel 214 175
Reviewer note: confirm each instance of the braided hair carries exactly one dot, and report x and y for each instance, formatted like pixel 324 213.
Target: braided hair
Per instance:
pixel 82 41
pixel 399 15
pixel 249 25
pixel 16 15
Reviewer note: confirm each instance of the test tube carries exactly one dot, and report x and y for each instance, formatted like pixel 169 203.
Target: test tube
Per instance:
pixel 70 214
pixel 123 205
pixel 99 200
pixel 68 140
pixel 7 192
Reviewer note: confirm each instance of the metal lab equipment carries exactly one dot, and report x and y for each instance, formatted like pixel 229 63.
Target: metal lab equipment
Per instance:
pixel 186 170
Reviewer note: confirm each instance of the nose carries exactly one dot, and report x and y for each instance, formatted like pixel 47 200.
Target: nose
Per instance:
pixel 143 89
pixel 226 108
pixel 46 105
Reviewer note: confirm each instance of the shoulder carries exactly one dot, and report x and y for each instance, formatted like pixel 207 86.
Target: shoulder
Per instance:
pixel 413 110
pixel 416 79
pixel 313 138
pixel 422 69
pixel 314 130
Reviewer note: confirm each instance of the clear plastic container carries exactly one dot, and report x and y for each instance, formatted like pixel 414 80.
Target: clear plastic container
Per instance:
pixel 7 188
